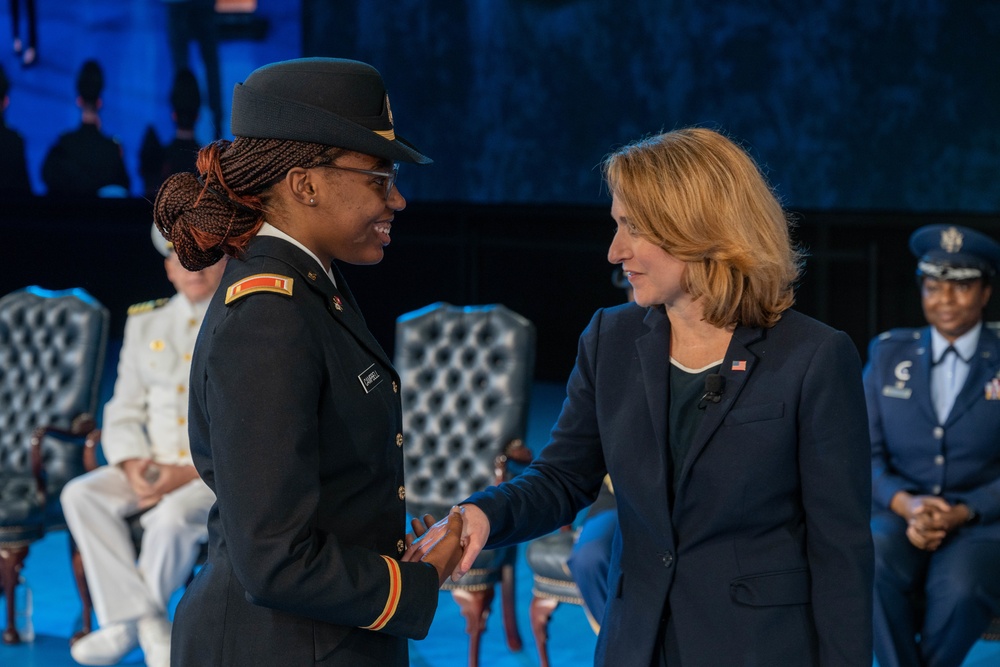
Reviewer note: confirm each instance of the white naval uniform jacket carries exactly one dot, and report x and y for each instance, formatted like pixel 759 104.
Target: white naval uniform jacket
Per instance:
pixel 147 415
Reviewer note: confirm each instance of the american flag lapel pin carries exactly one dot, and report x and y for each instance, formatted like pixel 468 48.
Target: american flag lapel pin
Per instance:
pixel 740 365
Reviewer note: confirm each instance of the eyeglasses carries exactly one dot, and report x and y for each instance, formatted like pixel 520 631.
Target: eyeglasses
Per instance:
pixel 388 177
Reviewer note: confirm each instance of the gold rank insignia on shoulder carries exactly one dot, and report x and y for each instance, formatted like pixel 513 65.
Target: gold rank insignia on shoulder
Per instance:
pixel 260 282
pixel 147 306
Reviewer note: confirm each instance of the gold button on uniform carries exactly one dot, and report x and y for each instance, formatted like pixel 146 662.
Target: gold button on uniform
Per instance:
pixel 192 322
pixel 181 421
pixel 399 439
pixel 402 492
pixel 181 389
pixel 400 546
pixel 187 356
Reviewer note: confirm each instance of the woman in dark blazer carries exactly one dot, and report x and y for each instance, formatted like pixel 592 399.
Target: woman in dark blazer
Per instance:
pixel 295 415
pixel 733 430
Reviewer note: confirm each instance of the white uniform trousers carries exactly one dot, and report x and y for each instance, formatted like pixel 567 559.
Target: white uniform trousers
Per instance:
pixel 122 588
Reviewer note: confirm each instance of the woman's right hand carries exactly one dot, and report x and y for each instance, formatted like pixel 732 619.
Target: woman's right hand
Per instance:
pixel 475 532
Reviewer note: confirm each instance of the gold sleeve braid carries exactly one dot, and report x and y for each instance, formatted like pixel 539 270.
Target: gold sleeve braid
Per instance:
pixel 395 591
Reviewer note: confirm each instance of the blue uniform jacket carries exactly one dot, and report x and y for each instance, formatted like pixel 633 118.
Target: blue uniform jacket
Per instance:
pixel 766 558
pixel 296 425
pixel 958 460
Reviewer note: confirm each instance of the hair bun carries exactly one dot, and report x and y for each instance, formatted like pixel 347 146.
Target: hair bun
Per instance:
pixel 180 211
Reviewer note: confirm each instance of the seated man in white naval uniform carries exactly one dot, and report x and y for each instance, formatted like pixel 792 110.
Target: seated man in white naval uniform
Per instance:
pixel 145 441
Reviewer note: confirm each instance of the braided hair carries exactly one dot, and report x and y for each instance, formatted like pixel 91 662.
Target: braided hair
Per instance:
pixel 220 209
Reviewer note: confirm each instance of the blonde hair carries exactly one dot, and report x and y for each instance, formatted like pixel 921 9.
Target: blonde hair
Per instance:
pixel 701 198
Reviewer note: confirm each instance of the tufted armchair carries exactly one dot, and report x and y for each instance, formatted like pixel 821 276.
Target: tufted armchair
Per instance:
pixel 52 348
pixel 466 376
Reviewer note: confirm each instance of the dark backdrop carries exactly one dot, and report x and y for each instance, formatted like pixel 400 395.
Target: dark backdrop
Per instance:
pixel 849 104
pixel 546 262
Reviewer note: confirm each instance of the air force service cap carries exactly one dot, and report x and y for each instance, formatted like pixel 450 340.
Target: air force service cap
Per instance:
pixel 950 252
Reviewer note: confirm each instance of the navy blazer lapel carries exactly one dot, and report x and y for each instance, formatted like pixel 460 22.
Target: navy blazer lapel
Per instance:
pixel 737 367
pixel 653 349
pixel 980 372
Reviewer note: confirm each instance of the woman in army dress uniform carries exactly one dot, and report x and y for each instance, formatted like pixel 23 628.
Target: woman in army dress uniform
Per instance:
pixel 296 422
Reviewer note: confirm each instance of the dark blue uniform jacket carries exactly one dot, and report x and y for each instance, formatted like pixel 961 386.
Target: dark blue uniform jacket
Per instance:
pixel 296 424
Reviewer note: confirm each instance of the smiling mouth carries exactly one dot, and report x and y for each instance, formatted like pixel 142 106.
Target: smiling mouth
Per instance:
pixel 382 229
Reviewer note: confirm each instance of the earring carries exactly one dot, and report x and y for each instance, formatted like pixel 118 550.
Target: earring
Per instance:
pixel 312 201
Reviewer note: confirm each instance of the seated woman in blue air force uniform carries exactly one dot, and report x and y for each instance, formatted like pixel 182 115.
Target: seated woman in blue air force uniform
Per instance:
pixel 296 421
pixel 732 426
pixel 934 407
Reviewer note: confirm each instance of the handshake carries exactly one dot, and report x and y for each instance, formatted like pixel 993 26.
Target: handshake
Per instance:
pixel 450 545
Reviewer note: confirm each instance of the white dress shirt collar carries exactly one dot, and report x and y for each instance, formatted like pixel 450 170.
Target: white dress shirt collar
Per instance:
pixel 965 345
pixel 267 229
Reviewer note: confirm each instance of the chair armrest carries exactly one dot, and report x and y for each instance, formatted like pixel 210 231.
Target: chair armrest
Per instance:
pixel 82 425
pixel 90 444
pixel 514 459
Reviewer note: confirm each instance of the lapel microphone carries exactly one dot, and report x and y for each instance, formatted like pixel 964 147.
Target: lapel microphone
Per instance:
pixel 714 385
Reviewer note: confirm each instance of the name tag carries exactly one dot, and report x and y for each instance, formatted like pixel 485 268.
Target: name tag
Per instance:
pixel 369 379
pixel 896 392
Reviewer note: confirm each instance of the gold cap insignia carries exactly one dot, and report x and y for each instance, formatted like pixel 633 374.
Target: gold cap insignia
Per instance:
pixel 951 240
pixel 389 134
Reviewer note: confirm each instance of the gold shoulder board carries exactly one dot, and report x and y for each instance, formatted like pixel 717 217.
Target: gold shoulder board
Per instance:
pixel 260 282
pixel 147 306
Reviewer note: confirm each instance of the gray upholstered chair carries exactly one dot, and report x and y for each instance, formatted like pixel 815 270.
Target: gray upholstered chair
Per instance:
pixel 466 375
pixel 52 347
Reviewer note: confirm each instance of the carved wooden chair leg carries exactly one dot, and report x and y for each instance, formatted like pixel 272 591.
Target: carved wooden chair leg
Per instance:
pixel 86 603
pixel 540 613
pixel 11 561
pixel 508 603
pixel 475 608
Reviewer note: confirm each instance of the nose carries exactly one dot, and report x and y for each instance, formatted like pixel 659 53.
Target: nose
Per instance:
pixel 619 250
pixel 396 201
